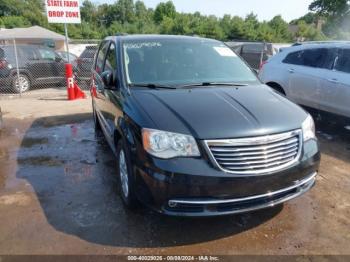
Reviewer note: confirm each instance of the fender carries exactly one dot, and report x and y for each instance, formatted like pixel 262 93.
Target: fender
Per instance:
pixel 123 129
pixel 22 71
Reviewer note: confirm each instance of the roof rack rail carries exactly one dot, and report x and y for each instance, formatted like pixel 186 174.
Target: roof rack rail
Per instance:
pixel 321 42
pixel 121 34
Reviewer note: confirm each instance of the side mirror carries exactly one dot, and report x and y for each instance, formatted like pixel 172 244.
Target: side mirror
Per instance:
pixel 108 79
pixel 58 59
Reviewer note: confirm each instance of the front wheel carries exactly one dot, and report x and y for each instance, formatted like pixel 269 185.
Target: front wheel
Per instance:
pixel 124 171
pixel 20 83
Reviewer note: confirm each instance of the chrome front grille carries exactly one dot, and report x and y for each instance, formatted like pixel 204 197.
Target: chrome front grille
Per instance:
pixel 256 155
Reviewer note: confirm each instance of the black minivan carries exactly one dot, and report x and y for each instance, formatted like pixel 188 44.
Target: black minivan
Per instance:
pixel 194 131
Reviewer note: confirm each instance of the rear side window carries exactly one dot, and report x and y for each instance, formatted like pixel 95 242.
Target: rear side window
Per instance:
pixel 47 54
pixel 89 52
pixel 315 57
pixel 252 48
pixel 343 61
pixel 101 57
pixel 294 58
pixel 28 53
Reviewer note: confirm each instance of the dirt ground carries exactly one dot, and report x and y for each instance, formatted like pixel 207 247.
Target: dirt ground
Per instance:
pixel 58 196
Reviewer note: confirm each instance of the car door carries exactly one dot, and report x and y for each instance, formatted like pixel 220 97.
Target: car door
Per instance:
pixel 98 89
pixel 32 61
pixel 306 76
pixel 48 61
pixel 336 95
pixel 112 102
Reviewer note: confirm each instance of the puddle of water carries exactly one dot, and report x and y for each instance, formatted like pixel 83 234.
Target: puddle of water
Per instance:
pixel 31 141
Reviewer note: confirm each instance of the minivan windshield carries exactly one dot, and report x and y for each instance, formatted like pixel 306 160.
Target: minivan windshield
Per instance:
pixel 178 62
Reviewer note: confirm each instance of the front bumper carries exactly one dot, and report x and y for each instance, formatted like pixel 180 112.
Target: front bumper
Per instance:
pixel 194 187
pixel 239 205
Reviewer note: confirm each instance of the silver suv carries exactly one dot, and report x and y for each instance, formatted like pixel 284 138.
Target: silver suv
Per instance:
pixel 313 75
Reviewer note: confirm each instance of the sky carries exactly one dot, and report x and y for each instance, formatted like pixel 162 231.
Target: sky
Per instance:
pixel 265 9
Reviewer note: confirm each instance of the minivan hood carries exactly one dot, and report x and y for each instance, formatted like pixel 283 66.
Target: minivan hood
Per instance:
pixel 219 112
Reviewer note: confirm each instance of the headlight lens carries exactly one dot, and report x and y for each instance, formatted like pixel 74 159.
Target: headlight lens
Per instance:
pixel 167 144
pixel 308 128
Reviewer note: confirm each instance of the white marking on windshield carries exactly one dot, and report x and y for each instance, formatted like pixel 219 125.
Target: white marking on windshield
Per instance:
pixel 224 51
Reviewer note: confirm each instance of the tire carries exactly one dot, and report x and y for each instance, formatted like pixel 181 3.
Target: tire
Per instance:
pixel 97 124
pixel 23 80
pixel 125 176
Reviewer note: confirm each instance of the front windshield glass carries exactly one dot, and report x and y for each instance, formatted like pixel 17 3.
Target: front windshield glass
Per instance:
pixel 183 62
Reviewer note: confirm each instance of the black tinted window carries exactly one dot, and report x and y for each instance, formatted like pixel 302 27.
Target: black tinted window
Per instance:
pixel 47 54
pixel 101 57
pixel 294 58
pixel 28 53
pixel 343 61
pixel 88 53
pixel 315 57
pixel 252 48
pixel 111 59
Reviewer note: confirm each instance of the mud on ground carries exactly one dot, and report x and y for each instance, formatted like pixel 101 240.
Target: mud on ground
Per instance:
pixel 58 195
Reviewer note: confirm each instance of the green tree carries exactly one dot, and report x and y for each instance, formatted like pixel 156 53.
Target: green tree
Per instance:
pixel 14 21
pixel 164 10
pixel 330 7
pixel 280 29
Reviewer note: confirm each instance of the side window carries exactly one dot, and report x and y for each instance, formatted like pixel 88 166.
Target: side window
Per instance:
pixel 294 58
pixel 252 48
pixel 101 57
pixel 47 54
pixel 111 59
pixel 315 57
pixel 343 61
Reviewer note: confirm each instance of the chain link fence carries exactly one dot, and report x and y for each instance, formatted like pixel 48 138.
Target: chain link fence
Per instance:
pixel 39 69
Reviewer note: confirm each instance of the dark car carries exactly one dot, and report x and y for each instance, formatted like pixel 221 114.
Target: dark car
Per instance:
pixel 37 66
pixel 72 57
pixel 194 131
pixel 84 65
pixel 254 53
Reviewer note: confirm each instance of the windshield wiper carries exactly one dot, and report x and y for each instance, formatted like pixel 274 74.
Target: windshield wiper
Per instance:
pixel 152 85
pixel 213 84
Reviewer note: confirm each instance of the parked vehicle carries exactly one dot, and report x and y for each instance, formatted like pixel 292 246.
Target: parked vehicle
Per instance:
pixel 37 65
pixel 194 131
pixel 72 57
pixel 84 65
pixel 313 75
pixel 1 121
pixel 254 53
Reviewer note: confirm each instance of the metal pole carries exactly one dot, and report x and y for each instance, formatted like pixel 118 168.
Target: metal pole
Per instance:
pixel 262 55
pixel 67 47
pixel 17 67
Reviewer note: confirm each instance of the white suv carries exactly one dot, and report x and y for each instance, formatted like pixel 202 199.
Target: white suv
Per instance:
pixel 313 75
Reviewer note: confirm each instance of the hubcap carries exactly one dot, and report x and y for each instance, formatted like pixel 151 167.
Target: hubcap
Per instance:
pixel 21 84
pixel 123 170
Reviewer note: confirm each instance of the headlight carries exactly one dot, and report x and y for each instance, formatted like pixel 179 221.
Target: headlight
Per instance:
pixel 308 128
pixel 167 145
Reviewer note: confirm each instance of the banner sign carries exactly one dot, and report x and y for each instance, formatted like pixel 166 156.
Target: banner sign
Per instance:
pixel 63 11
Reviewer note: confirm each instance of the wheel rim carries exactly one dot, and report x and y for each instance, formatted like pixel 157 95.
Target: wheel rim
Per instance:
pixel 123 170
pixel 21 83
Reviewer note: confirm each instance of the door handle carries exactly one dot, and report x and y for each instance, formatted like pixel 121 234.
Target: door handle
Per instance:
pixel 333 80
pixel 291 70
